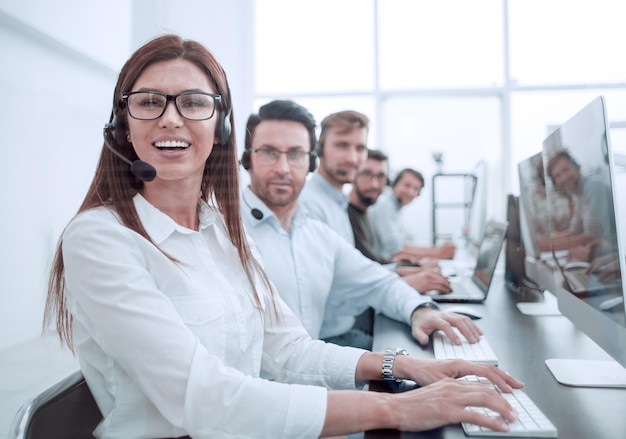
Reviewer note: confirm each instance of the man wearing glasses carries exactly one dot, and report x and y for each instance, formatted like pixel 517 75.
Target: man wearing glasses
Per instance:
pixel 323 278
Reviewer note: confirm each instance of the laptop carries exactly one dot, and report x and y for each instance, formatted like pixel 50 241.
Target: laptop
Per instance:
pixel 474 289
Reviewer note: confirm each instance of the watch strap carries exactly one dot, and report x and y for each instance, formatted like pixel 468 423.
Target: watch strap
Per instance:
pixel 388 358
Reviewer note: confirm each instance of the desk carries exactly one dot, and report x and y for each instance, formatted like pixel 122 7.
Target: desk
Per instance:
pixel 522 344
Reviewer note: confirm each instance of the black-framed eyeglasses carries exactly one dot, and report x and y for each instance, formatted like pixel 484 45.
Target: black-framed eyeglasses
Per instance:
pixel 295 157
pixel 192 105
pixel 381 177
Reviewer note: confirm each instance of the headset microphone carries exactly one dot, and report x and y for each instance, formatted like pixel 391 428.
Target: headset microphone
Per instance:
pixel 140 169
pixel 256 213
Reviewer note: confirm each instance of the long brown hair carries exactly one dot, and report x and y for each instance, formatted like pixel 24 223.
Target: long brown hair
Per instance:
pixel 114 186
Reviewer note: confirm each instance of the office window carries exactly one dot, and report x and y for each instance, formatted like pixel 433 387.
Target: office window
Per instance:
pixel 320 46
pixel 486 76
pixel 443 43
pixel 567 41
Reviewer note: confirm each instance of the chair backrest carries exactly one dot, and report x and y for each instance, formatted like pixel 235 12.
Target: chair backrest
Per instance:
pixel 66 410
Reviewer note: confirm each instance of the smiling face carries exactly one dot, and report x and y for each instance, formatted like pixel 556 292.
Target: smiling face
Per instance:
pixel 178 148
pixel 278 185
pixel 565 174
pixel 407 188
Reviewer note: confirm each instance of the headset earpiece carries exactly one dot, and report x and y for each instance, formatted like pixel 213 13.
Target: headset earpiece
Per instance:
pixel 313 161
pixel 245 159
pixel 117 129
pixel 223 128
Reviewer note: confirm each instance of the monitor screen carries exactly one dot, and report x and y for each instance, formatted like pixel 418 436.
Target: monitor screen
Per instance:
pixel 533 204
pixel 587 245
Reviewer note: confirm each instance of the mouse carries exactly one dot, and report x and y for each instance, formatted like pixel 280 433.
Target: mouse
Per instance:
pixel 609 304
pixel 465 311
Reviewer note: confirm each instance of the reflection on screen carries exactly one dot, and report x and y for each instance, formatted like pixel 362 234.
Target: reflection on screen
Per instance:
pixel 539 219
pixel 577 168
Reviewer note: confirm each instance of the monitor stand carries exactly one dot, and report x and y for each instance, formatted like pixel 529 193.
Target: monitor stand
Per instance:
pixel 588 373
pixel 548 307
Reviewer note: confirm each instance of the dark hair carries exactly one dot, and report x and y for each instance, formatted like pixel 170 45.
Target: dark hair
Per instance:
pixel 114 186
pixel 377 155
pixel 345 121
pixel 281 110
pixel 413 172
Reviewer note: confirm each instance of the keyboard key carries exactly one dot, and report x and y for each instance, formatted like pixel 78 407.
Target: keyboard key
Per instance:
pixel 531 421
pixel 480 352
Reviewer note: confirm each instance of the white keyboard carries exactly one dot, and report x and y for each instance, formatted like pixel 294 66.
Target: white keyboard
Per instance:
pixel 480 352
pixel 531 421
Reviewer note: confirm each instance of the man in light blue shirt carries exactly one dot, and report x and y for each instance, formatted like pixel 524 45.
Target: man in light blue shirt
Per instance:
pixel 384 216
pixel 324 279
pixel 342 150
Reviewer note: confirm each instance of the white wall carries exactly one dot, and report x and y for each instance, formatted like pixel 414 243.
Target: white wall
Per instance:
pixel 61 61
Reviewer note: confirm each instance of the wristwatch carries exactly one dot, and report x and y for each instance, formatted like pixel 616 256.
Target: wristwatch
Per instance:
pixel 388 358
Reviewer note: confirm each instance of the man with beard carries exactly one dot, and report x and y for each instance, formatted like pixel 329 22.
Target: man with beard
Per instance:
pixel 323 278
pixel 366 188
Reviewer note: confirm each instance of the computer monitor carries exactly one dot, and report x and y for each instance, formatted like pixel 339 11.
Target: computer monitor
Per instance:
pixel 578 163
pixel 514 253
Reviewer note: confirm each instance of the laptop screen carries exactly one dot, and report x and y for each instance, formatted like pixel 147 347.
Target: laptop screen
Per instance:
pixel 488 253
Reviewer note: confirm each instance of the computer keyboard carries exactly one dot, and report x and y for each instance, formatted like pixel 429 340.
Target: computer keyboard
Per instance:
pixel 531 421
pixel 480 352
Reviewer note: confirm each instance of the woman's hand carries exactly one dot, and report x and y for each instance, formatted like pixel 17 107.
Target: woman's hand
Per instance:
pixel 444 402
pixel 425 372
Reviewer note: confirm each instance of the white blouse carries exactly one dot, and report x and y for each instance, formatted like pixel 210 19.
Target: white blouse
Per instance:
pixel 173 348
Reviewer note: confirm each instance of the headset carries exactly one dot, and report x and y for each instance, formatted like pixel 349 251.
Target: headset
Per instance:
pixel 246 160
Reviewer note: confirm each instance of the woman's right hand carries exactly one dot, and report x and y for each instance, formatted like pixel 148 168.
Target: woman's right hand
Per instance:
pixel 444 402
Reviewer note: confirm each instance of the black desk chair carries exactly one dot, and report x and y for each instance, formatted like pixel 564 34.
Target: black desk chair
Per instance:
pixel 66 410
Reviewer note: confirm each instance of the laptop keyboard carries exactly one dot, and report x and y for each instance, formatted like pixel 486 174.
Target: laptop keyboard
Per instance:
pixel 466 287
pixel 480 352
pixel 531 421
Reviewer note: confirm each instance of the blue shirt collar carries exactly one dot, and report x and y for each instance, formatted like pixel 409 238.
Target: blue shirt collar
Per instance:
pixel 338 196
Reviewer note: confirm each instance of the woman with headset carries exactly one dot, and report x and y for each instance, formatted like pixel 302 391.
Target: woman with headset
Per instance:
pixel 155 287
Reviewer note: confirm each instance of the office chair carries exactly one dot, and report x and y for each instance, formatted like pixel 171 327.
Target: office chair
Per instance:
pixel 66 410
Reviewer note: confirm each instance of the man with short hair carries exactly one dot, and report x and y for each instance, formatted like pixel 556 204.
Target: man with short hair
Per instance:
pixel 323 278
pixel 342 150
